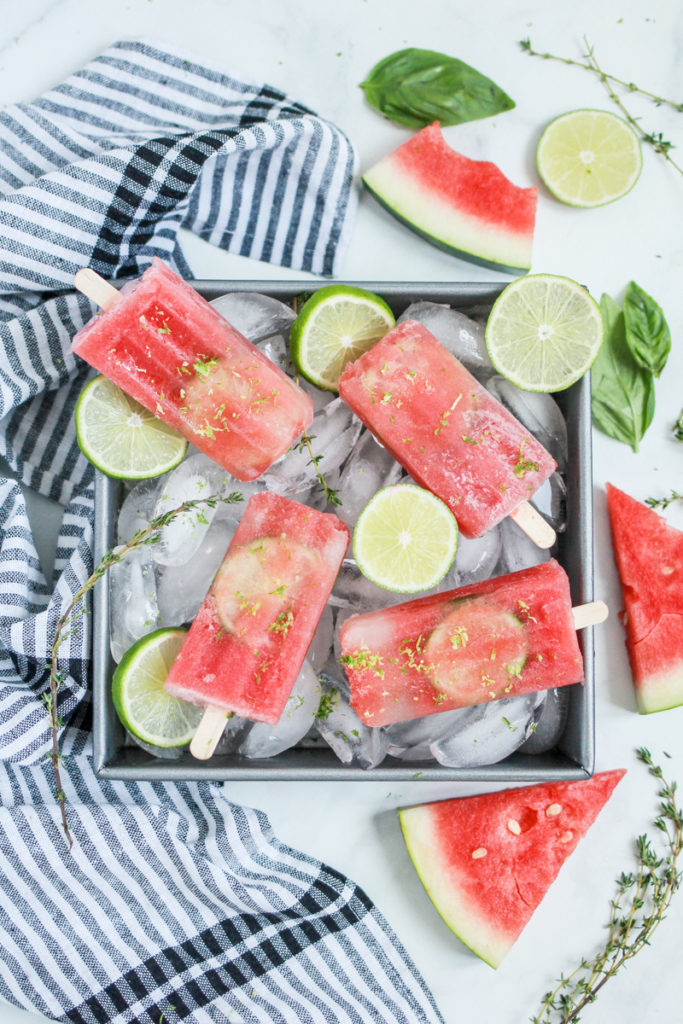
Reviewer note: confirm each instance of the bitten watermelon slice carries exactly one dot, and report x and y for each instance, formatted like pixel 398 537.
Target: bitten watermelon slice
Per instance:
pixel 649 557
pixel 487 861
pixel 467 207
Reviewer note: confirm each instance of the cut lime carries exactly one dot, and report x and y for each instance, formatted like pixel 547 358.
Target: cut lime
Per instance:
pixel 335 326
pixel 120 437
pixel 405 539
pixel 589 157
pixel 142 704
pixel 544 332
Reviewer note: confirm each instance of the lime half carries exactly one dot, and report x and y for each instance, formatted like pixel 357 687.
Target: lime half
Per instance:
pixel 405 539
pixel 589 157
pixel 544 332
pixel 120 437
pixel 142 704
pixel 335 326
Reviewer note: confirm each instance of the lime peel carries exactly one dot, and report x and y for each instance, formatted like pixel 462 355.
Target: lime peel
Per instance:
pixel 405 539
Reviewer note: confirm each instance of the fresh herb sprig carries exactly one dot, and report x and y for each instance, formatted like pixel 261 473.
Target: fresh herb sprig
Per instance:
pixel 590 63
pixel 304 444
pixel 68 621
pixel 664 502
pixel 678 427
pixel 638 909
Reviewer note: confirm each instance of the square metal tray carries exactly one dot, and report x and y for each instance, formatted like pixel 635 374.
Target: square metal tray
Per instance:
pixel 573 758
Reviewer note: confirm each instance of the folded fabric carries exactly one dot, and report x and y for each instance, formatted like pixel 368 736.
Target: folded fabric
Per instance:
pixel 174 904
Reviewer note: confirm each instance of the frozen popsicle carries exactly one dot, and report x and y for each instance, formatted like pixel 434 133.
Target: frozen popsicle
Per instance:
pixel 446 430
pixel 507 636
pixel 248 641
pixel 166 347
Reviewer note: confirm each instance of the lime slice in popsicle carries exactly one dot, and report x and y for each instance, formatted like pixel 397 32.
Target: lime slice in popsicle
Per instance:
pixel 335 326
pixel 589 157
pixel 120 437
pixel 544 332
pixel 142 704
pixel 405 539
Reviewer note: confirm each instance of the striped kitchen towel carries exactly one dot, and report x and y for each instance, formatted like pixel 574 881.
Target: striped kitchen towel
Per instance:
pixel 174 904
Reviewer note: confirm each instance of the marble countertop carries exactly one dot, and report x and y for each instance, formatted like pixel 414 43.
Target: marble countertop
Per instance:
pixel 319 53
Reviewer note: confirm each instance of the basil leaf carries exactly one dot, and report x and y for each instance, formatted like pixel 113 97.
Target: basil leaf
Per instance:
pixel 417 87
pixel 623 402
pixel 647 332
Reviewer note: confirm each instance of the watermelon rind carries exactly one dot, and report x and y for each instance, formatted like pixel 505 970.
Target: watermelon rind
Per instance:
pixel 416 825
pixel 660 692
pixel 446 245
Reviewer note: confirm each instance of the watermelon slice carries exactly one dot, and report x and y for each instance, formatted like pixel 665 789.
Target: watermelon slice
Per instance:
pixel 467 207
pixel 487 861
pixel 649 557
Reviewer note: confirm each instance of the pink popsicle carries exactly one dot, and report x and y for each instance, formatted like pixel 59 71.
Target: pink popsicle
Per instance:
pixel 444 428
pixel 248 641
pixel 501 638
pixel 166 347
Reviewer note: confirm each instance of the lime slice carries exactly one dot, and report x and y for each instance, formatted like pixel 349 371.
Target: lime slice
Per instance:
pixel 142 704
pixel 120 437
pixel 335 326
pixel 589 157
pixel 544 332
pixel 405 539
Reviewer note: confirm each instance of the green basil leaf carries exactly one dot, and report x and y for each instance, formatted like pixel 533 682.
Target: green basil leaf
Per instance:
pixel 417 87
pixel 623 402
pixel 647 332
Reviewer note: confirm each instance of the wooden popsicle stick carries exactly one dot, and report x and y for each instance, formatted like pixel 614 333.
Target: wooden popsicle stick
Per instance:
pixel 532 523
pixel 209 732
pixel 96 288
pixel 589 614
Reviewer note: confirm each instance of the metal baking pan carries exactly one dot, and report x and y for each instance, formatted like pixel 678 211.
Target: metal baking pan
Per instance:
pixel 573 758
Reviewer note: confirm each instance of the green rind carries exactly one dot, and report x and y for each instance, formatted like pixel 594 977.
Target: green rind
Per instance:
pixel 649 697
pixel 463 254
pixel 309 307
pixel 118 681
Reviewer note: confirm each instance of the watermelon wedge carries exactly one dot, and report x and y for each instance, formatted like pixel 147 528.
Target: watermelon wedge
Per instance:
pixel 649 557
pixel 467 207
pixel 487 861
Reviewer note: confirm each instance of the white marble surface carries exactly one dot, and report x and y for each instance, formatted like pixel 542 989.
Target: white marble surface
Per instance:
pixel 319 53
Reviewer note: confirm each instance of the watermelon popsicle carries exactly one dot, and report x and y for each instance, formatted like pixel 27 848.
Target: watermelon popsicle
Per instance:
pixel 506 636
pixel 166 347
pixel 448 432
pixel 249 639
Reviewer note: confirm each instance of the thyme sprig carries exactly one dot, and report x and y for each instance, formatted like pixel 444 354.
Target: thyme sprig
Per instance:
pixel 590 63
pixel 678 427
pixel 637 910
pixel 304 444
pixel 664 502
pixel 68 621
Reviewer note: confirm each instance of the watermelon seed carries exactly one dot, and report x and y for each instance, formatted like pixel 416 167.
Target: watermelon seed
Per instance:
pixel 668 569
pixel 479 853
pixel 514 827
pixel 566 837
pixel 553 810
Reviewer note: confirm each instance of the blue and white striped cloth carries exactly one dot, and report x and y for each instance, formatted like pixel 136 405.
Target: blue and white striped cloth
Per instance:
pixel 174 904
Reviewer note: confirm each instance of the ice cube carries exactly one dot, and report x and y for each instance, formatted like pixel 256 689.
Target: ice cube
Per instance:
pixel 254 315
pixel 456 332
pixel 551 501
pixel 275 349
pixel 182 588
pixel 195 478
pixel 137 509
pixel 517 551
pixel 551 723
pixel 477 557
pixel 133 608
pixel 490 732
pixel 265 740
pixel 321 648
pixel 539 413
pixel 368 468
pixel 342 729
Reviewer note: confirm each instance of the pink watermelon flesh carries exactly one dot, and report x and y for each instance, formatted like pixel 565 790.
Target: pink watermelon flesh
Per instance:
pixel 465 206
pixel 649 557
pixel 487 861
